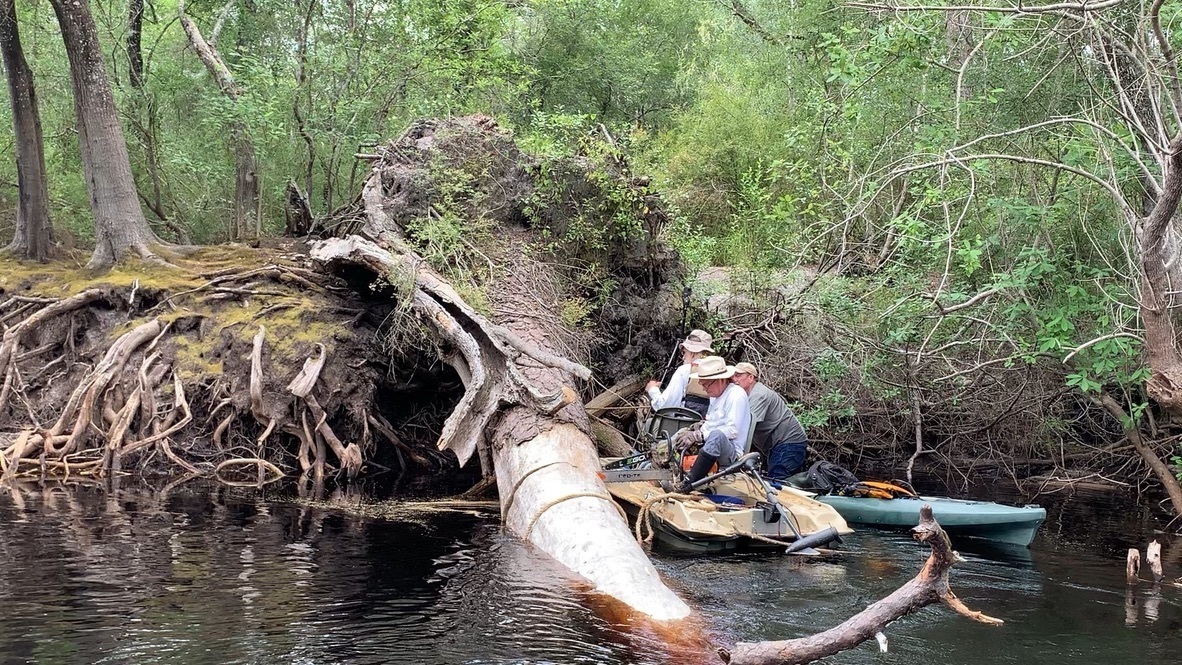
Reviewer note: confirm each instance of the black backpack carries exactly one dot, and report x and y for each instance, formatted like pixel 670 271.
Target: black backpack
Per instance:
pixel 828 478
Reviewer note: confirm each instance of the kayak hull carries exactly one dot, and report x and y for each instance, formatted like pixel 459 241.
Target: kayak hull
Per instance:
pixel 701 526
pixel 977 519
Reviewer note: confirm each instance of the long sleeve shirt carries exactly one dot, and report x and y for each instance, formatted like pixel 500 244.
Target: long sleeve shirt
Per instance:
pixel 729 414
pixel 674 393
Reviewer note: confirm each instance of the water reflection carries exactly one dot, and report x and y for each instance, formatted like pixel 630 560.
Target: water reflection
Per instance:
pixel 217 575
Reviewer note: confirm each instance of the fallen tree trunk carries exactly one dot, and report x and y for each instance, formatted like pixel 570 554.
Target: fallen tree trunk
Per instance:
pixel 552 496
pixel 929 586
pixel 619 392
pixel 610 441
pixel 545 463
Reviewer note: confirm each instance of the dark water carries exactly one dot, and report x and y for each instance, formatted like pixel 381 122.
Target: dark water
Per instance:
pixel 232 576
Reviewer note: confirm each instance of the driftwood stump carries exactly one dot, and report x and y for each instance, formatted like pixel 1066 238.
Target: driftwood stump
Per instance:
pixel 929 586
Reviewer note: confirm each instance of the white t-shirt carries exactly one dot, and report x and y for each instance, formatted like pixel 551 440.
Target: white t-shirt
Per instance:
pixel 730 414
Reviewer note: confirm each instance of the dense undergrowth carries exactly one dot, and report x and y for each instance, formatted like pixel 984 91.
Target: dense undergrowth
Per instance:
pixel 899 287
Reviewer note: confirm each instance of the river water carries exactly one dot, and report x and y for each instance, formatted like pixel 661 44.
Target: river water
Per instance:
pixel 219 575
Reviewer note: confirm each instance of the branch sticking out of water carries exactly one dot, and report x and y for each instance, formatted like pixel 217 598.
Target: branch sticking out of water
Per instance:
pixel 929 586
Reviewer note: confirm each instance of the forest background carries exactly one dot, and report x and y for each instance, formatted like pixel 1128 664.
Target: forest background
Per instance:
pixel 946 231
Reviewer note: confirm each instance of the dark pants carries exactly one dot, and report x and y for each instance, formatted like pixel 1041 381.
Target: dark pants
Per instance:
pixel 786 459
pixel 697 404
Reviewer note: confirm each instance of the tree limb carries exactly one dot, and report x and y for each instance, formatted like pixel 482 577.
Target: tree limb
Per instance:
pixel 928 587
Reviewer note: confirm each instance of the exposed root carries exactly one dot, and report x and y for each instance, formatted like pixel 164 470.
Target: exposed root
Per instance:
pixel 124 412
pixel 301 386
pixel 272 472
pixel 256 378
pixel 486 353
pixel 80 406
pixel 13 336
pixel 383 428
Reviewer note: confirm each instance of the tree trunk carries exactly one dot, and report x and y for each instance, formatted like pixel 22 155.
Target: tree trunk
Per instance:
pixel 246 165
pixel 135 55
pixel 1161 335
pixel 147 121
pixel 119 223
pixel 246 184
pixel 546 466
pixel 34 231
pixel 1159 468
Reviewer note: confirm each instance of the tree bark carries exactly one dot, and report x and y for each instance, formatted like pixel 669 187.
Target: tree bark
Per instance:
pixel 119 223
pixel 1159 468
pixel 1161 335
pixel 34 231
pixel 135 54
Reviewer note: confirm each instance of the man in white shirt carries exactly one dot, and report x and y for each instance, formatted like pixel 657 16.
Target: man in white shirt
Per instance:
pixel 683 390
pixel 724 432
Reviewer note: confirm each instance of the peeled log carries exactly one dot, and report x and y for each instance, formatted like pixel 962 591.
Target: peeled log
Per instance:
pixel 546 465
pixel 552 496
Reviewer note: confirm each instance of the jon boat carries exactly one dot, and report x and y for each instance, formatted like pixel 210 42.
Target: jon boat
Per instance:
pixel 732 513
pixel 975 519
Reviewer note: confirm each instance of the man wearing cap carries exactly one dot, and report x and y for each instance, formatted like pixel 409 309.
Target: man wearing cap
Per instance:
pixel 683 390
pixel 779 436
pixel 724 432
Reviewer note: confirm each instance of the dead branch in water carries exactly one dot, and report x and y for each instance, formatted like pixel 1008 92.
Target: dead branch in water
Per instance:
pixel 929 586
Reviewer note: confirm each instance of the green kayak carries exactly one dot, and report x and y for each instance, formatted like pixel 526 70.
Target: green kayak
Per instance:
pixel 978 519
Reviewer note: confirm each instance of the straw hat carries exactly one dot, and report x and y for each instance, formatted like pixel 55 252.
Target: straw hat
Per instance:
pixel 746 368
pixel 713 367
pixel 698 341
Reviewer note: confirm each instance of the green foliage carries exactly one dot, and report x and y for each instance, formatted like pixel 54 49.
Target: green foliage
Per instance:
pixel 829 365
pixel 830 410
pixel 790 137
pixel 617 61
pixel 585 202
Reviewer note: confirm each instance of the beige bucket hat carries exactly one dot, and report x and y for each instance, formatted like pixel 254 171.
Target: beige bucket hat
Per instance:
pixel 713 367
pixel 698 341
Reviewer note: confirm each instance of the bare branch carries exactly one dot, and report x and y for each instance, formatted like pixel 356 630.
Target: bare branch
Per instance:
pixel 1085 345
pixel 1171 75
pixel 221 23
pixel 1135 155
pixel 968 303
pixel 743 13
pixel 960 78
pixel 213 61
pixel 1019 8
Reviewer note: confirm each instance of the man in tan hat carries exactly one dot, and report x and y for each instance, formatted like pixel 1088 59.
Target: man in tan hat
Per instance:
pixel 724 432
pixel 682 389
pixel 779 436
